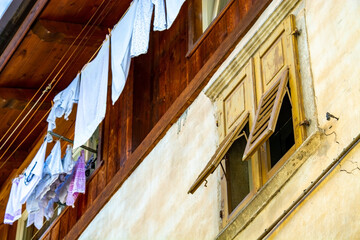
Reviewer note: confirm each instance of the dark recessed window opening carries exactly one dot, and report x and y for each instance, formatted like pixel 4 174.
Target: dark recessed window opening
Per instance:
pixel 238 172
pixel 283 138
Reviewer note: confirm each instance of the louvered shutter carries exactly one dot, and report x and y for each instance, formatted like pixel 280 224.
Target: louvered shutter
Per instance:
pixel 267 114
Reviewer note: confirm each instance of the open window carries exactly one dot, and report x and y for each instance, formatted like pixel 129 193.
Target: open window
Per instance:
pixel 219 154
pixel 267 115
pixel 237 177
pixel 202 14
pixel 210 10
pixel 267 88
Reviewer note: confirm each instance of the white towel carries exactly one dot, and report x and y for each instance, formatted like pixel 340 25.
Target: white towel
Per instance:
pixel 141 31
pixel 120 51
pixel 36 218
pixel 13 207
pixel 33 174
pixel 172 10
pixel 92 98
pixel 159 15
pixel 52 169
pixel 63 103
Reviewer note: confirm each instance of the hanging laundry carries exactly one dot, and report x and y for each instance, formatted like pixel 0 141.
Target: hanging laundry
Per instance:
pixel 52 169
pixel 36 218
pixel 141 31
pixel 92 97
pixel 32 204
pixel 63 103
pixel 120 51
pixel 62 190
pixel 78 181
pixel 68 162
pixel 172 10
pixel 49 210
pixel 159 15
pixel 50 197
pixel 32 174
pixel 13 207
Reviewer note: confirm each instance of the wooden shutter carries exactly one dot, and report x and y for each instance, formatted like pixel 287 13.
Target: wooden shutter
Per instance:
pixel 219 153
pixel 267 114
pixel 279 52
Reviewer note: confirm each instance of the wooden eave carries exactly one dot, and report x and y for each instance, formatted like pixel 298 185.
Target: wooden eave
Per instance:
pixel 34 36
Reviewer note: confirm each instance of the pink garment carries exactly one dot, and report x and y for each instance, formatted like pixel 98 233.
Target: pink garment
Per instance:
pixel 78 181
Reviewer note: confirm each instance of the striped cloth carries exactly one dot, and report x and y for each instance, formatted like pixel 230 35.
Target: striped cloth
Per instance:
pixel 78 181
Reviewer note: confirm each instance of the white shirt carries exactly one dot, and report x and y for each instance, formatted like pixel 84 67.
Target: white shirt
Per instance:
pixel 141 31
pixel 172 10
pixel 92 97
pixel 120 51
pixel 63 103
pixel 33 174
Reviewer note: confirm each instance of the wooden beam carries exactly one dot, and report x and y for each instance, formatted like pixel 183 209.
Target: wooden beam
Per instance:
pixel 170 117
pixel 15 161
pixel 66 33
pixel 21 32
pixel 17 98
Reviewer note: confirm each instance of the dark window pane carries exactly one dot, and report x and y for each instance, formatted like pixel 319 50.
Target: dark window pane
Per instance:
pixel 283 137
pixel 238 172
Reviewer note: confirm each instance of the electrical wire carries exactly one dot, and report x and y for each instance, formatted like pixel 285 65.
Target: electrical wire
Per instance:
pixel 57 81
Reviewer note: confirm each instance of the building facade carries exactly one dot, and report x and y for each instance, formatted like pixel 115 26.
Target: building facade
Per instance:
pixel 244 126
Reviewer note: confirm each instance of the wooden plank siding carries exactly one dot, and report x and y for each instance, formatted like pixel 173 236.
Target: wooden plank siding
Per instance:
pixel 160 86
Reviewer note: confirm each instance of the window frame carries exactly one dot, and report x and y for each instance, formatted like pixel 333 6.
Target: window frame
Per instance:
pixel 195 38
pixel 218 92
pixel 227 216
pixel 283 32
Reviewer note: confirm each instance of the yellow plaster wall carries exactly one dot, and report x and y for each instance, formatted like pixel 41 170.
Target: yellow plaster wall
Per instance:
pixel 153 202
pixel 332 211
pixel 333 34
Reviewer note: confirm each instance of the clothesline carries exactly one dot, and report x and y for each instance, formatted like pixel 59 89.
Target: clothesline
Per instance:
pixel 50 87
pixel 71 141
pixel 129 38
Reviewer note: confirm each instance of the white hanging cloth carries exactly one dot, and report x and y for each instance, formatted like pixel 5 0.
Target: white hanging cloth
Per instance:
pixel 63 103
pixel 53 168
pixel 32 174
pixel 93 94
pixel 159 15
pixel 120 51
pixel 141 31
pixel 172 10
pixel 36 218
pixel 67 161
pixel 13 207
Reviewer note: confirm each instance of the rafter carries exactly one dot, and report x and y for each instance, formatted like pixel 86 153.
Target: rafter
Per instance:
pixel 17 98
pixel 66 33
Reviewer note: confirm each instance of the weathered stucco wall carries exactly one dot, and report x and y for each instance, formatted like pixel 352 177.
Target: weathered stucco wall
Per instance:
pixel 153 202
pixel 332 210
